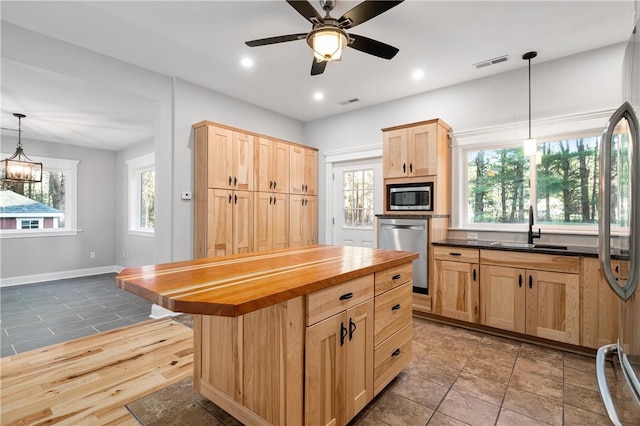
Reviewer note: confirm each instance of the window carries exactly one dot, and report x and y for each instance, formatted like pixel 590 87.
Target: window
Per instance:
pixel 358 198
pixel 142 195
pixel 43 208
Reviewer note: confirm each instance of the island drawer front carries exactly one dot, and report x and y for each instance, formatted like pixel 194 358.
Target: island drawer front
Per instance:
pixel 456 254
pixel 322 304
pixel 391 357
pixel 393 277
pixel 539 261
pixel 392 311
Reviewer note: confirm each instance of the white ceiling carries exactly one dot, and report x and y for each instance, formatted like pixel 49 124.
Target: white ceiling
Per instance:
pixel 203 42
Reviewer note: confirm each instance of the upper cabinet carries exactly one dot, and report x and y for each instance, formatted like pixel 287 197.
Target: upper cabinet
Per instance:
pixel 230 159
pixel 303 178
pixel 416 150
pixel 271 166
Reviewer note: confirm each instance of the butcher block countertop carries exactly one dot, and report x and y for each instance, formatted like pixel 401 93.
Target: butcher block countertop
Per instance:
pixel 238 284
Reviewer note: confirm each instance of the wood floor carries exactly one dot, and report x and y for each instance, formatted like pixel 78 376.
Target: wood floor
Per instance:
pixel 90 380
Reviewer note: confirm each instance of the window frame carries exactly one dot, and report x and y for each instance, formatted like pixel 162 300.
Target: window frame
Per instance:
pixel 508 136
pixel 137 166
pixel 70 169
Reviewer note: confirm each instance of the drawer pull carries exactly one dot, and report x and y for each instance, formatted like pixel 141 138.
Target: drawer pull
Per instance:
pixel 520 280
pixel 396 277
pixel 346 296
pixel 530 281
pixel 395 307
pixel 396 352
pixel 455 254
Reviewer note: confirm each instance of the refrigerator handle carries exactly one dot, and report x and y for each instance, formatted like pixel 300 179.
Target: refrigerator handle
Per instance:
pixel 601 359
pixel 604 222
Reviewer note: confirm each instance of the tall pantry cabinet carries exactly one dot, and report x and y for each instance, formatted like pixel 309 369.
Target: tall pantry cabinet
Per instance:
pixel 252 192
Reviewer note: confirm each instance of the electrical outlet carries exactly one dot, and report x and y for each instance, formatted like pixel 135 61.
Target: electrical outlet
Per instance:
pixel 92 254
pixel 472 235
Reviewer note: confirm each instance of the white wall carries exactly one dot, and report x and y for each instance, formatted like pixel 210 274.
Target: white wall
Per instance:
pixel 140 250
pixel 193 104
pixel 96 218
pixel 584 82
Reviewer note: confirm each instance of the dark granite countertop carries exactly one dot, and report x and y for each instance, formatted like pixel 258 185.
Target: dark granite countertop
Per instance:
pixel 557 249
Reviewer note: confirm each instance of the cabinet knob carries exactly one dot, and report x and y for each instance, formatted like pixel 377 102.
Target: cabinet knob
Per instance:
pixel 270 199
pixel 404 167
pixel 395 307
pixel 229 180
pixel 455 254
pixel 520 280
pixel 270 184
pixel 236 199
pixel 396 277
pixel 275 184
pixel 410 167
pixel 396 352
pixel 474 274
pixel 530 281
pixel 343 333
pixel 346 296
pixel 235 181
pixel 352 328
pixel 230 198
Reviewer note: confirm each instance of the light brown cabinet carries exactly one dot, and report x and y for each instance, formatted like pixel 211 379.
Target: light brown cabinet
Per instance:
pixel 230 222
pixel 271 166
pixel 456 283
pixel 230 156
pixel 339 353
pixel 502 297
pixel 411 152
pixel 303 177
pixel 600 305
pixel 303 220
pixel 271 221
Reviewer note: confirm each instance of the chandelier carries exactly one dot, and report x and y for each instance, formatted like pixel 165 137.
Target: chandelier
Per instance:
pixel 19 167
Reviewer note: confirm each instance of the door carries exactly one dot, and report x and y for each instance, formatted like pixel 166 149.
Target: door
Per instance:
pixel 458 290
pixel 553 306
pixel 324 367
pixel 502 295
pixel 357 189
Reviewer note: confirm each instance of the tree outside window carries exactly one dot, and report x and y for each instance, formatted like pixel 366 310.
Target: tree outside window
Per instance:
pixel 358 198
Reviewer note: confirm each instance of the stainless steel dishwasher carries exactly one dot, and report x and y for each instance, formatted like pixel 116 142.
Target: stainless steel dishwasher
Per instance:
pixel 408 235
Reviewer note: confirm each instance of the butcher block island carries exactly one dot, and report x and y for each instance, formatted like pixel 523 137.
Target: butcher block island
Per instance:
pixel 305 335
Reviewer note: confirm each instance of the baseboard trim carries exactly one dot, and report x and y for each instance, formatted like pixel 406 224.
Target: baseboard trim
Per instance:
pixel 50 276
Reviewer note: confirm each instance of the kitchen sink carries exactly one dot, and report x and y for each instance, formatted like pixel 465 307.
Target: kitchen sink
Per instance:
pixel 511 244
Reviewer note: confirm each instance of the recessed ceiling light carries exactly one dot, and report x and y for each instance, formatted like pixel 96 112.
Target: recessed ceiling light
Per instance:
pixel 417 74
pixel 318 96
pixel 247 62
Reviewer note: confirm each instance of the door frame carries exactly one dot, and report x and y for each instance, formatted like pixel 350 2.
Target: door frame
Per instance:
pixel 340 156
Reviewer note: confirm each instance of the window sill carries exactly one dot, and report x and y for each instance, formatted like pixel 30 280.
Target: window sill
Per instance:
pixel 140 233
pixel 6 234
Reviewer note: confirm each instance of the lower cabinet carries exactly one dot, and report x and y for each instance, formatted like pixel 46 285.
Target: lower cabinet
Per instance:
pixel 502 297
pixel 457 285
pixel 339 366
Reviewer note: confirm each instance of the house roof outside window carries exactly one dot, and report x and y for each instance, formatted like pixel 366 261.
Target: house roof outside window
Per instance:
pixel 16 205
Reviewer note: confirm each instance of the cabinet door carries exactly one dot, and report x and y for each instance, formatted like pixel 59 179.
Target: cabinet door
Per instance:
pixel 310 220
pixel 279 167
pixel 296 222
pixel 600 307
pixel 458 290
pixel 359 359
pixel 395 154
pixel 502 296
pixel 553 306
pixel 263 232
pixel 310 172
pixel 219 223
pixel 242 161
pixel 324 367
pixel 219 157
pixel 262 160
pixel 296 167
pixel 279 221
pixel 242 222
pixel 422 150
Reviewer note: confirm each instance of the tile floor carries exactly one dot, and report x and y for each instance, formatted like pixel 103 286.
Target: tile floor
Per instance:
pixel 457 377
pixel 41 314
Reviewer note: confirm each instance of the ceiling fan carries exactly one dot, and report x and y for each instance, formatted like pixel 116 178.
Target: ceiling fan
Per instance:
pixel 329 37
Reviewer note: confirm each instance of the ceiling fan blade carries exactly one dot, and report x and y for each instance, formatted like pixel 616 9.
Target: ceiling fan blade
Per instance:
pixel 307 11
pixel 373 47
pixel 278 39
pixel 318 67
pixel 364 11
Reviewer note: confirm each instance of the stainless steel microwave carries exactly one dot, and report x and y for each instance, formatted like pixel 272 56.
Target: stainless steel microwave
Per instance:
pixel 411 197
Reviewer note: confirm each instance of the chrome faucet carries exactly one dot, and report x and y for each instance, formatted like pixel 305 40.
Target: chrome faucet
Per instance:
pixel 530 234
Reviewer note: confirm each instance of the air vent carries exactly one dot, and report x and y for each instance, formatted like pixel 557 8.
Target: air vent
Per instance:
pixel 350 101
pixel 499 59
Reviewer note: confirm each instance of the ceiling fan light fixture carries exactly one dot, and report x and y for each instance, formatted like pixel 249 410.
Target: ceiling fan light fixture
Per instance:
pixel 327 42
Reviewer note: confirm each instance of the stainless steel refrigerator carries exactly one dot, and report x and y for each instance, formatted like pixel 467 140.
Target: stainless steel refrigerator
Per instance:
pixel 619 237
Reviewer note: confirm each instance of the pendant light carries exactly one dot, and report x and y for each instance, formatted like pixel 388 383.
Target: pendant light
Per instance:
pixel 19 167
pixel 530 145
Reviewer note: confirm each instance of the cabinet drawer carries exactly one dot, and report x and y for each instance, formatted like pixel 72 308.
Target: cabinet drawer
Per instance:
pixel 391 357
pixel 456 254
pixel 392 311
pixel 325 303
pixel 393 277
pixel 539 261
